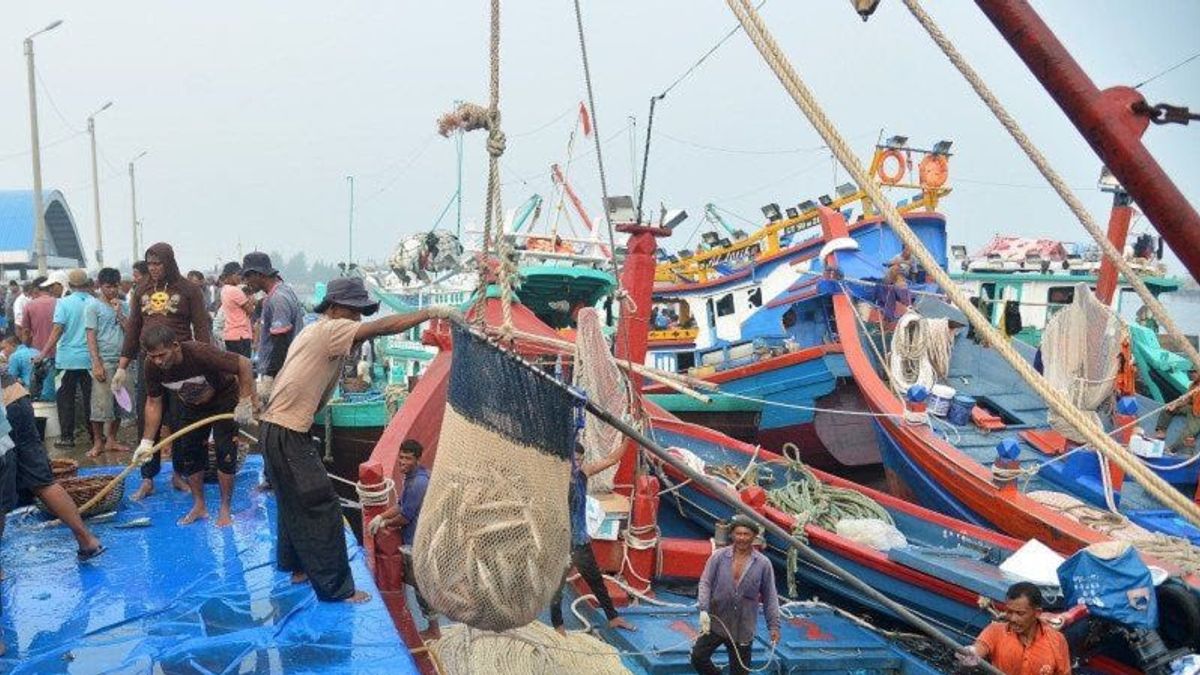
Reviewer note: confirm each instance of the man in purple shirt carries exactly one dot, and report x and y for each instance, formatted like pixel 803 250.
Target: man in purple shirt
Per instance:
pixel 404 515
pixel 736 579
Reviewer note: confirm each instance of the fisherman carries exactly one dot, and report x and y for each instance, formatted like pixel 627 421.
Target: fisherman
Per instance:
pixel 10 299
pixel 1021 644
pixel 19 357
pixel 104 321
pixel 28 468
pixel 735 580
pixel 583 558
pixel 404 515
pixel 37 323
pixel 28 292
pixel 236 308
pixel 282 317
pixel 1189 409
pixel 68 349
pixel 208 382
pixel 310 542
pixel 163 298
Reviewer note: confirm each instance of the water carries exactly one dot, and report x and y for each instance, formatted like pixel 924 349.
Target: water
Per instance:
pixel 1184 308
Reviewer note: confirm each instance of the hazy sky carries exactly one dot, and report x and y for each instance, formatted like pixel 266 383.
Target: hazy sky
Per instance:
pixel 253 113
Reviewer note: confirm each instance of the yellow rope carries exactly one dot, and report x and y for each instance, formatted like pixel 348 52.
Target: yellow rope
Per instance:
pixel 1095 436
pixel 1060 186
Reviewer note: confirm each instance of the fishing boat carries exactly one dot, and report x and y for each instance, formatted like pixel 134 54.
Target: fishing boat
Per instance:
pixel 744 314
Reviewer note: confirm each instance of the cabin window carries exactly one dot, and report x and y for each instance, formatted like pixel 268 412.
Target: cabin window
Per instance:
pixel 1060 295
pixel 712 316
pixel 725 305
pixel 684 360
pixel 755 297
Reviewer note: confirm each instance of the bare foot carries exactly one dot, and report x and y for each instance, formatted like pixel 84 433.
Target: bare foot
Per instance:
pixel 178 483
pixel 114 446
pixel 224 519
pixel 197 513
pixel 95 451
pixel 359 597
pixel 144 490
pixel 618 622
pixel 299 577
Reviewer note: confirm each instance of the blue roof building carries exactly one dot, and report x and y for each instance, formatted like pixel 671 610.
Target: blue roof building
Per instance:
pixel 17 244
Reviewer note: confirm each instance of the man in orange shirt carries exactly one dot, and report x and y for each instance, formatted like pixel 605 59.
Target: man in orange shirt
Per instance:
pixel 1021 644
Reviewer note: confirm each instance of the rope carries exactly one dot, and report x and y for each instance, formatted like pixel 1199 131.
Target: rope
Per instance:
pixel 1094 435
pixel 1043 165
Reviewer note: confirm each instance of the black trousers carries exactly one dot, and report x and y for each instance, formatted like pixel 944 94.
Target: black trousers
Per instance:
pixel 410 578
pixel 584 560
pixel 708 643
pixel 310 538
pixel 238 347
pixel 73 379
pixel 191 450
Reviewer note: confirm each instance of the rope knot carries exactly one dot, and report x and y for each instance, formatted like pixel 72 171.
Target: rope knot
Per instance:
pixel 496 141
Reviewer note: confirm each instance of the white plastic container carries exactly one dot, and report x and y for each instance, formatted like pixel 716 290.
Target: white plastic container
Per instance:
pixel 940 396
pixel 49 412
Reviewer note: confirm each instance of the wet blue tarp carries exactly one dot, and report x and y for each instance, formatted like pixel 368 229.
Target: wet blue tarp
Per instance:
pixel 171 599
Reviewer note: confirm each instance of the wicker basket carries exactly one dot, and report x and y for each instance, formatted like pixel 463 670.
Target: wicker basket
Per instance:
pixel 84 488
pixel 64 468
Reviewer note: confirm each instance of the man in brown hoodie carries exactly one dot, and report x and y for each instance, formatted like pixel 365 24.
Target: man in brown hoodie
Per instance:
pixel 164 298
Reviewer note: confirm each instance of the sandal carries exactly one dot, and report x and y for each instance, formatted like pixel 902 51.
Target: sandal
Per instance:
pixel 85 556
pixel 64 443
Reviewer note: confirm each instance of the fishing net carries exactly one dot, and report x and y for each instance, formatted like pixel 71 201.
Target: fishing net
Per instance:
pixel 596 372
pixel 493 539
pixel 535 649
pixel 1080 349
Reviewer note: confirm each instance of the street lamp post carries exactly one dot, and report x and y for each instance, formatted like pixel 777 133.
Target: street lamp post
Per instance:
pixel 91 127
pixel 39 216
pixel 133 202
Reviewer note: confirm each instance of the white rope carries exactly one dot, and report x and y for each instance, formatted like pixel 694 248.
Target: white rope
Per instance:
pixel 1093 434
pixel 378 494
pixel 1060 186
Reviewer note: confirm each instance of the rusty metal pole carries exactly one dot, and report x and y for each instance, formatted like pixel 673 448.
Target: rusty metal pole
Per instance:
pixel 1107 120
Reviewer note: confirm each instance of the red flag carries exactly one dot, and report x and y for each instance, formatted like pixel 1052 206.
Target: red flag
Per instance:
pixel 585 119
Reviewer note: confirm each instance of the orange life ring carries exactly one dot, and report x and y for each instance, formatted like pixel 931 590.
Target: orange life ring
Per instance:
pixel 933 171
pixel 901 166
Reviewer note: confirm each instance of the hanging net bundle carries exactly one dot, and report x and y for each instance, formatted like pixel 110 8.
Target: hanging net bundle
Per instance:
pixel 1080 349
pixel 596 372
pixel 535 649
pixel 920 351
pixel 493 539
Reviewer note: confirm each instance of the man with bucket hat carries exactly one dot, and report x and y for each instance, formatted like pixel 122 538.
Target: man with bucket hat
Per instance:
pixel 282 317
pixel 309 543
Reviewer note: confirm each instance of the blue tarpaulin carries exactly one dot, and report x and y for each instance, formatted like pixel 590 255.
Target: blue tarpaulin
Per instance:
pixel 171 599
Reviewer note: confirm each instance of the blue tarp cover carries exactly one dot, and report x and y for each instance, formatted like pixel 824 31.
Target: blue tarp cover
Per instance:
pixel 171 599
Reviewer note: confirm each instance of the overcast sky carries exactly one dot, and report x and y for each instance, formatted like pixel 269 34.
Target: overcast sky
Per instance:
pixel 253 113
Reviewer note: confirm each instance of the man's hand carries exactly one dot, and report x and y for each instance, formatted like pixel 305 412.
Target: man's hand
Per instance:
pixel 774 636
pixel 119 377
pixel 265 384
pixel 243 414
pixel 144 452
pixel 967 657
pixel 98 372
pixel 705 623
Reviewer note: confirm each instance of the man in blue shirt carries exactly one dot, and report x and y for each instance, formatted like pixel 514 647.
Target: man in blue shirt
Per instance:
pixel 104 322
pixel 582 557
pixel 282 317
pixel 68 347
pixel 20 359
pixel 404 515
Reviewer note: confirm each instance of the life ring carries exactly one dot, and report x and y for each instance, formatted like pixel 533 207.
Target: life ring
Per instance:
pixel 933 171
pixel 901 166
pixel 1178 615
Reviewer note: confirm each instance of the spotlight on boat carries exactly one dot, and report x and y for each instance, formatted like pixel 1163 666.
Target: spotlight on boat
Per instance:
pixel 845 189
pixel 865 8
pixel 792 212
pixel 942 147
pixel 685 253
pixel 958 251
pixel 1108 182
pixel 725 243
pixel 710 239
pixel 671 219
pixel 772 213
pixel 806 206
pixel 896 142
pixel 739 234
pixel 620 209
pixel 825 200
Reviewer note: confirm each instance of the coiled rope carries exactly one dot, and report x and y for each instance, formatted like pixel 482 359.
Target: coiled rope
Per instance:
pixel 756 30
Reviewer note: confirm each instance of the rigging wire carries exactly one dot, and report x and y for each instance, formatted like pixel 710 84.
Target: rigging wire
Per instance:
pixel 1181 64
pixel 545 126
pixel 742 151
